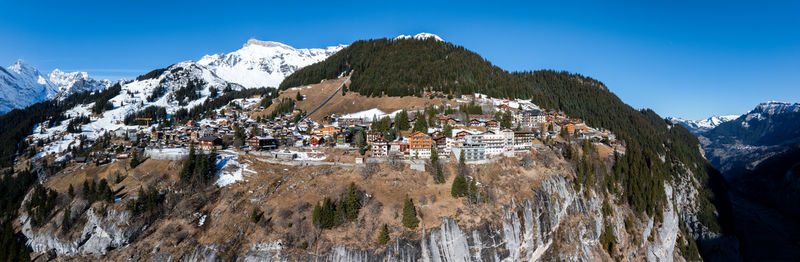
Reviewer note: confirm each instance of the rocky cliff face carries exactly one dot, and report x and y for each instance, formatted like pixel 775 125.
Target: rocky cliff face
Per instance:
pixel 533 214
pixel 559 224
pixel 100 233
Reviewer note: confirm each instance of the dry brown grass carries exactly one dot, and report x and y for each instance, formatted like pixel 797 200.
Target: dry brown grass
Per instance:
pixel 350 103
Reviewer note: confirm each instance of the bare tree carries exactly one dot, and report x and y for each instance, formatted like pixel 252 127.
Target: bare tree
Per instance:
pixel 369 169
pixel 527 161
pixel 395 162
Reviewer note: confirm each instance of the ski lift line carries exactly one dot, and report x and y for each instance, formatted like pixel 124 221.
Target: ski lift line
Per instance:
pixel 322 104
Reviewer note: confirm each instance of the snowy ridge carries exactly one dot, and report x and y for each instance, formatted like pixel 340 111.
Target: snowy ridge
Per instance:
pixel 420 36
pixel 75 82
pixel 263 63
pixel 770 108
pixel 22 85
pixel 696 126
pixel 761 112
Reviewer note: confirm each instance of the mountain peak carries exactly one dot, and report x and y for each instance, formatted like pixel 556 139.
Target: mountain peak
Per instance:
pixel 20 65
pixel 420 36
pixel 256 42
pixel 263 63
pixel 61 74
pixel 22 85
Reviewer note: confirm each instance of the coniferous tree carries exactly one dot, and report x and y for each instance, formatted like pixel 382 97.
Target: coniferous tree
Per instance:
pixel 401 121
pixel 448 130
pixel 65 219
pixel 352 202
pixel 92 191
pixel 328 212
pixel 188 164
pixel 421 124
pixel 383 236
pixel 255 215
pixel 436 166
pixel 361 141
pixel 85 190
pixel 410 219
pixel 134 161
pixel 506 119
pixel 459 188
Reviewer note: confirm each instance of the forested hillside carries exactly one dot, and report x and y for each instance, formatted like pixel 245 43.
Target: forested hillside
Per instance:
pixel 656 150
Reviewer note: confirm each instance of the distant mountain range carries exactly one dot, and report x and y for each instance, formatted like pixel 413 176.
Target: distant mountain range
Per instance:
pixel 256 64
pixel 22 85
pixel 740 142
pixel 697 126
pixel 183 85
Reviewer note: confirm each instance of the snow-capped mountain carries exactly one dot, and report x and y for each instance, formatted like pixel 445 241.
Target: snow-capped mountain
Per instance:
pixel 256 64
pixel 22 85
pixel 769 128
pixel 183 86
pixel 771 108
pixel 420 36
pixel 698 126
pixel 263 63
pixel 75 82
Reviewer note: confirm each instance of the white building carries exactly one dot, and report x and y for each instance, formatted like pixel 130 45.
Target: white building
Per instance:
pixel 498 142
pixel 473 147
pixel 530 118
pixel 380 147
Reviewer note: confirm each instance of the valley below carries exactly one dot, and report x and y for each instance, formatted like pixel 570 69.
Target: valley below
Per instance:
pixel 765 234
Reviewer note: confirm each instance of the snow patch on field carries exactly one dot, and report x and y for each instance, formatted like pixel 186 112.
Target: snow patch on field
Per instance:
pixel 230 170
pixel 369 114
pixel 309 156
pixel 202 221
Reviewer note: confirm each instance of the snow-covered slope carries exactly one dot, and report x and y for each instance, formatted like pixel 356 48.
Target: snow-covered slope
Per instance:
pixel 420 36
pixel 697 126
pixel 22 85
pixel 75 82
pixel 263 63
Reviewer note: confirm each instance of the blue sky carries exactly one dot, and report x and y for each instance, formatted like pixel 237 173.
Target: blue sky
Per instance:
pixel 680 58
